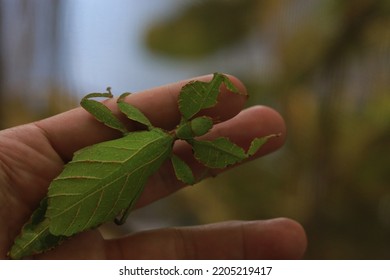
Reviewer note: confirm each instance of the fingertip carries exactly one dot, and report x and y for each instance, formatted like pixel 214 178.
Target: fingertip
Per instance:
pixel 280 238
pixel 271 122
pixel 233 79
pixel 294 242
pixel 254 122
pixel 229 103
pixel 238 84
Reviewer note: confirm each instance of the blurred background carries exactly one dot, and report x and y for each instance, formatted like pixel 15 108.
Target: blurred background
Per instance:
pixel 323 64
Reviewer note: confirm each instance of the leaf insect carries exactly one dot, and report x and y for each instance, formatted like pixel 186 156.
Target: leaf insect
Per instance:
pixel 103 181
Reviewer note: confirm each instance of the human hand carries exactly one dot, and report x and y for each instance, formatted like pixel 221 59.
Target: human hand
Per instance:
pixel 32 155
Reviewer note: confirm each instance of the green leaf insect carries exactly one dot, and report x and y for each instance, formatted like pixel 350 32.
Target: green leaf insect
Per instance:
pixel 103 182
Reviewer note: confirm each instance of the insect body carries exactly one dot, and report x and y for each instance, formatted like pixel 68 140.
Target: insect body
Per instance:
pixel 103 181
pixel 89 181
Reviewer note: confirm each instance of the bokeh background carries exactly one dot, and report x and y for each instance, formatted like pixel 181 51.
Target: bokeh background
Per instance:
pixel 323 64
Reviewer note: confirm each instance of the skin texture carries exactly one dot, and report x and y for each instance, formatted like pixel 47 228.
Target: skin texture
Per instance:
pixel 32 155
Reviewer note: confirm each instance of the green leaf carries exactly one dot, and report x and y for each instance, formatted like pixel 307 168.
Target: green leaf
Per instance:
pixel 104 179
pixel 182 170
pixel 218 153
pixel 198 95
pixel 132 112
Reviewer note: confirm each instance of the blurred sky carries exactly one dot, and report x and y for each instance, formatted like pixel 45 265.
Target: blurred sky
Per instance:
pixel 101 43
pixel 104 46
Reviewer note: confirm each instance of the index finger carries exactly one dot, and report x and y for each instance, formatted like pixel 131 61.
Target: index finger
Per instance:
pixel 75 129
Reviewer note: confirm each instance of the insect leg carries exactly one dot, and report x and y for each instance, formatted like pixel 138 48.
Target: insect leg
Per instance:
pixel 125 212
pixel 132 112
pixel 123 216
pixel 182 170
pixel 101 112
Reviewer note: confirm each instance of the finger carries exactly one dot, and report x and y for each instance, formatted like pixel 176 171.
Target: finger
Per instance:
pixel 88 245
pixel 254 122
pixel 272 239
pixel 75 129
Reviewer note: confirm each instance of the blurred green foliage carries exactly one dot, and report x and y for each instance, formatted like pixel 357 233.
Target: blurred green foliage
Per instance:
pixel 198 31
pixel 331 82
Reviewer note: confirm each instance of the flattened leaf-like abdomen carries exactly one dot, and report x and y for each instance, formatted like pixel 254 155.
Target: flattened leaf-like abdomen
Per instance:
pixel 35 236
pixel 104 179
